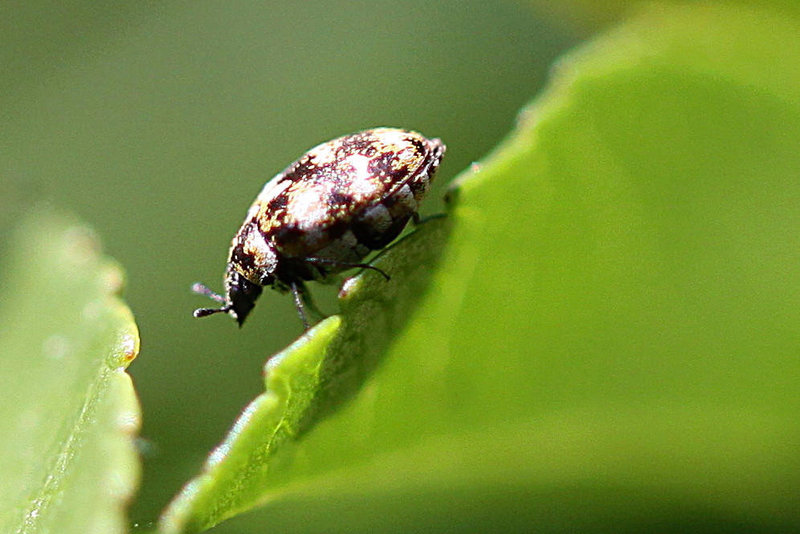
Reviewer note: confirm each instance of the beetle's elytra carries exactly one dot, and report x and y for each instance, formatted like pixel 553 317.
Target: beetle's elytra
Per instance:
pixel 324 213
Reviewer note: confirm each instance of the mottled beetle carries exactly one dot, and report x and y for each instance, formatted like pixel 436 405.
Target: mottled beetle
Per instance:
pixel 324 213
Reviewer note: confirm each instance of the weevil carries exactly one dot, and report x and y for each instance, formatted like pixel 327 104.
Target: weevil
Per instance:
pixel 324 214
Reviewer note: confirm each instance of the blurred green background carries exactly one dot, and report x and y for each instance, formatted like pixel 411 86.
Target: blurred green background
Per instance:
pixel 158 122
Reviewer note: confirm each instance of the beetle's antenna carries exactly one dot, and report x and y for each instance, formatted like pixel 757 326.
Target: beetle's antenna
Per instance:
pixel 203 290
pixel 205 312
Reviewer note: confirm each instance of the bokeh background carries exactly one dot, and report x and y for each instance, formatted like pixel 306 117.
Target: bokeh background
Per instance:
pixel 158 123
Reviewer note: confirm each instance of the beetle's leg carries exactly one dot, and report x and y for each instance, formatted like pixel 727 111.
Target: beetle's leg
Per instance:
pixel 417 220
pixel 310 304
pixel 346 265
pixel 299 294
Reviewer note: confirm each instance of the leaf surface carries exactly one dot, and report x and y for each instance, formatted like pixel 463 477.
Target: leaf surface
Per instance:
pixel 69 412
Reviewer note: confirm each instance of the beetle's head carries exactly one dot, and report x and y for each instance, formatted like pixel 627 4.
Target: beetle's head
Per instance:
pixel 240 296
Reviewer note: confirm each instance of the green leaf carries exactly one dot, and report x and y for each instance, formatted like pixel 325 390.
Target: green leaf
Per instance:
pixel 609 340
pixel 588 15
pixel 69 412
pixel 307 381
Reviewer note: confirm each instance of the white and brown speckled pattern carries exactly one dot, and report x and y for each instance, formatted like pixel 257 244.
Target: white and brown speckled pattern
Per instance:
pixel 308 207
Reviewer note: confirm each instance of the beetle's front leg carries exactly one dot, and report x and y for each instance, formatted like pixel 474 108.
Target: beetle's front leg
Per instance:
pixel 298 292
pixel 304 302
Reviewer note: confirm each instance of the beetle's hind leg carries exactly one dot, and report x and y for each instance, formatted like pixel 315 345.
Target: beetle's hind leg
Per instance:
pixel 347 265
pixel 417 220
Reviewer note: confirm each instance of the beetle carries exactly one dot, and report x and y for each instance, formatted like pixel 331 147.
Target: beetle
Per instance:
pixel 324 214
